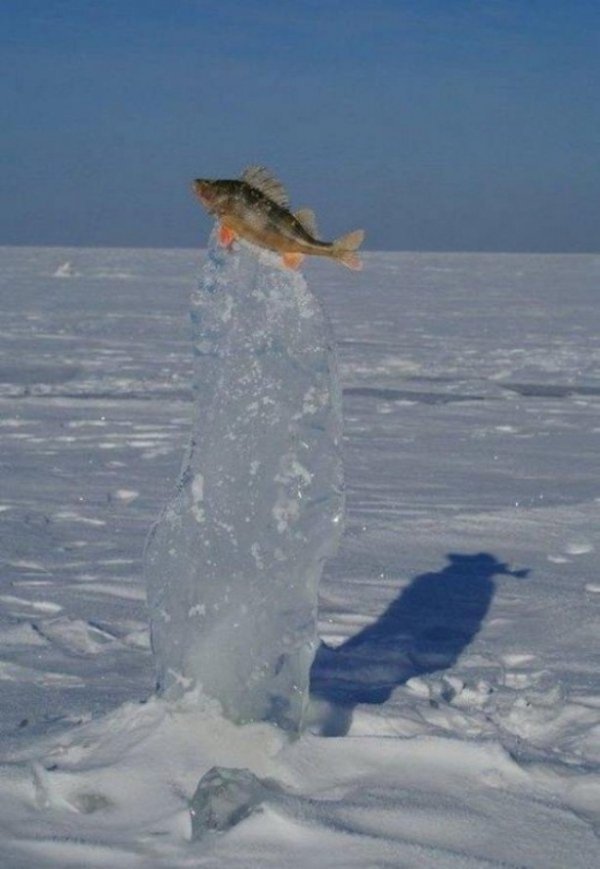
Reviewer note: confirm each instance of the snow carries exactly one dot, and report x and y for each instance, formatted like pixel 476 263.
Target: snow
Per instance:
pixel 458 680
pixel 233 564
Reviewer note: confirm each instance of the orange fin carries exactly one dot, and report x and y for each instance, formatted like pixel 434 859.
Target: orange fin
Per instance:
pixel 226 235
pixel 292 260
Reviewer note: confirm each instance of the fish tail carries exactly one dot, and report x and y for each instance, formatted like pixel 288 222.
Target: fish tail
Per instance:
pixel 344 249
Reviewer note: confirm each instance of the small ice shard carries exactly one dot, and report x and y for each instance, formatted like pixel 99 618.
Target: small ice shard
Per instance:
pixel 224 797
pixel 234 562
pixel 126 495
pixel 65 270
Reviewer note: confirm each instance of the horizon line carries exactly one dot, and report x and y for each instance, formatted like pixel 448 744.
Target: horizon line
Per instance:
pixel 482 252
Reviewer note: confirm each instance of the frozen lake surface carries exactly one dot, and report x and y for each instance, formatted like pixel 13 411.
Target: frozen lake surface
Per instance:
pixel 457 690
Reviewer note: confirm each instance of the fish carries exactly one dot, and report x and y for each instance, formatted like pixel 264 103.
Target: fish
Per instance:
pixel 256 207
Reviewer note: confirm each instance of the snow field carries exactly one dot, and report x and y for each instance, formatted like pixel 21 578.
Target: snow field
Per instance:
pixel 458 679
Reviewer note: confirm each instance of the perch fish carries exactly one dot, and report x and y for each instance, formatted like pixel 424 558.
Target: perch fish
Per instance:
pixel 256 208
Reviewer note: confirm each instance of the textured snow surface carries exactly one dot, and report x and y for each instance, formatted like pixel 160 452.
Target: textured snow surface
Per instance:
pixel 234 563
pixel 456 693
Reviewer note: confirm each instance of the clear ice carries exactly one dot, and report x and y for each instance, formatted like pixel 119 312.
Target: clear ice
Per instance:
pixel 234 562
pixel 225 796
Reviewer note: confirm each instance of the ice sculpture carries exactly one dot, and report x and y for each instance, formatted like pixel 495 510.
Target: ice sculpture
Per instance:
pixel 234 562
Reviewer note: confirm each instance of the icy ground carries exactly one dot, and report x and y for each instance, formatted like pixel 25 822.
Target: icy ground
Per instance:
pixel 457 693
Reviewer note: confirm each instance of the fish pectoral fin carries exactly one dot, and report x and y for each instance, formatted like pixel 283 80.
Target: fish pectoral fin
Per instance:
pixel 292 260
pixel 226 235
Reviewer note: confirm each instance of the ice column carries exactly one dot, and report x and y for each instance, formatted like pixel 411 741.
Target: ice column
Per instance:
pixel 234 562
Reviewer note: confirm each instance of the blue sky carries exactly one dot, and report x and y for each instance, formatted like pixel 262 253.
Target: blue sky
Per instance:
pixel 433 124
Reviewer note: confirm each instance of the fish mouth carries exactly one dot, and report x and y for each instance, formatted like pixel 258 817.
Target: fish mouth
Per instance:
pixel 204 192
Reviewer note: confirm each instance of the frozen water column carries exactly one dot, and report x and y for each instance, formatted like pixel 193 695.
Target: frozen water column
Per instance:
pixel 234 562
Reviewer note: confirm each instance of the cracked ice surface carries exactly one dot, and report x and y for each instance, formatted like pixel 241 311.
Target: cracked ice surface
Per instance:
pixel 234 562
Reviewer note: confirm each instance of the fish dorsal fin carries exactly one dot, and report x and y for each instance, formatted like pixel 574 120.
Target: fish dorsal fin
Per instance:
pixel 307 220
pixel 261 179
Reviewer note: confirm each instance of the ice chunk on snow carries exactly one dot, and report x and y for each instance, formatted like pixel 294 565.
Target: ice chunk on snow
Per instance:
pixel 224 797
pixel 234 562
pixel 126 495
pixel 65 270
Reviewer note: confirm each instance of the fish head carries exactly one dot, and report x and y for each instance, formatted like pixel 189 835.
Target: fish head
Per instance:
pixel 212 194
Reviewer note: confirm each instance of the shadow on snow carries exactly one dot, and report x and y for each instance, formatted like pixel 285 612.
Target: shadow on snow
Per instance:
pixel 425 629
